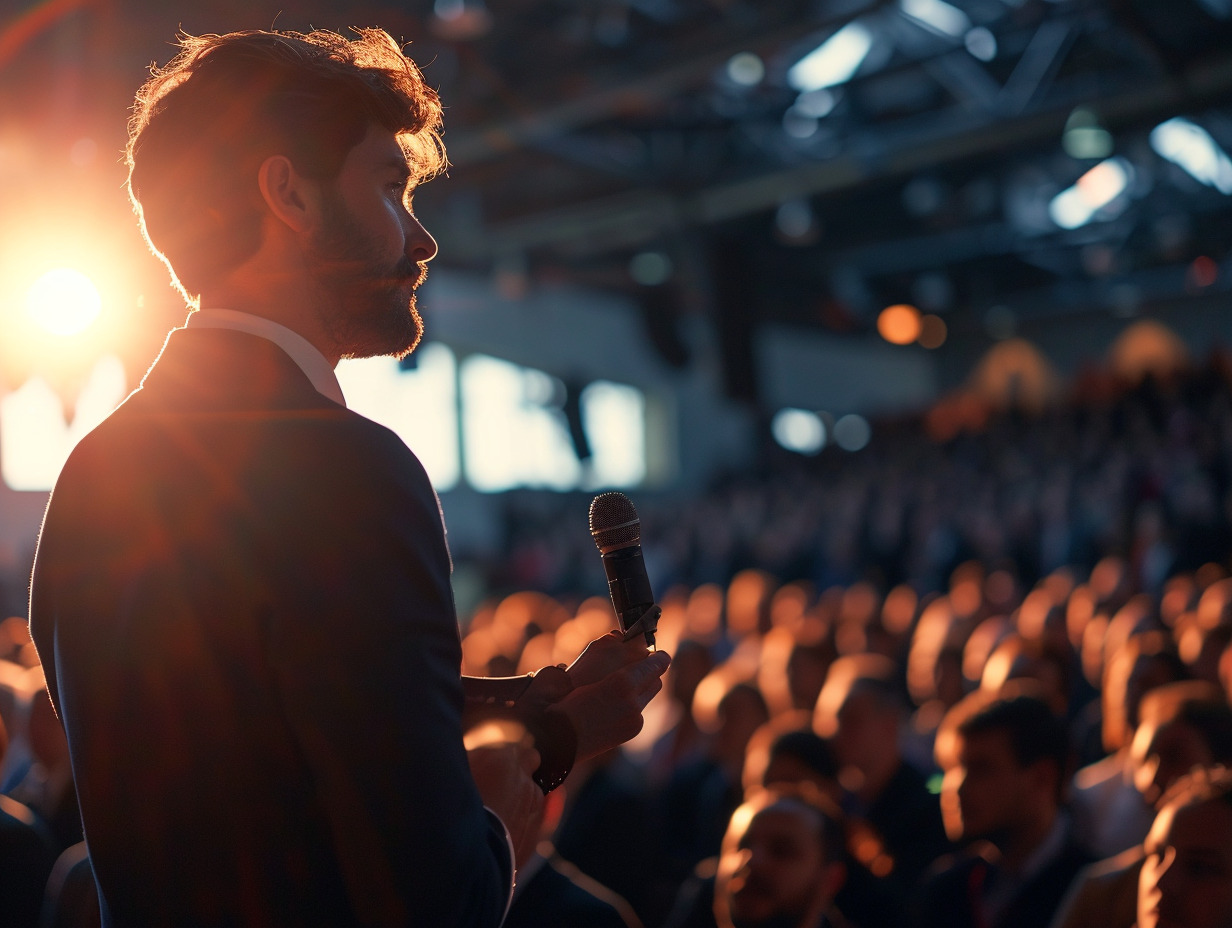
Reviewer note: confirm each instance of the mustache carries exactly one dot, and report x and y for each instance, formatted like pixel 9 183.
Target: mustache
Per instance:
pixel 410 271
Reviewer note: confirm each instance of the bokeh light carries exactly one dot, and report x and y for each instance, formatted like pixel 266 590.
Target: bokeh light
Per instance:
pixel 852 432
pixel 899 324
pixel 63 301
pixel 799 430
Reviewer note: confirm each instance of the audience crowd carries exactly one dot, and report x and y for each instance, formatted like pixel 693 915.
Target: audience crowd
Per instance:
pixel 984 680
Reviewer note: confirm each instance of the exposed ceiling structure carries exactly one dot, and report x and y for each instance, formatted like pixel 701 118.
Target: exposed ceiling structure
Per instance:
pixel 920 168
pixel 800 161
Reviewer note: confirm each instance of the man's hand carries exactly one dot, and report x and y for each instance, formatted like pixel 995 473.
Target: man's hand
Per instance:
pixel 613 680
pixel 502 771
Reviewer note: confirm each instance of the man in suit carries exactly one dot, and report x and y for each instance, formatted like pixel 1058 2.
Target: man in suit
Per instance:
pixel 241 594
pixel 1005 759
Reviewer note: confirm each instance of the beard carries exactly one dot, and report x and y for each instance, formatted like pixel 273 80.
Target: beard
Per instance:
pixel 369 307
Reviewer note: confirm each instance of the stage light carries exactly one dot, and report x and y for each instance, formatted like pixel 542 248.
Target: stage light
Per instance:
pixel 899 324
pixel 799 430
pixel 63 301
pixel 1190 146
pixel 938 16
pixel 1094 191
pixel 834 61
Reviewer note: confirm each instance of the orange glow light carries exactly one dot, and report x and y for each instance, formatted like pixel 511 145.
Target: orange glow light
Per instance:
pixel 899 324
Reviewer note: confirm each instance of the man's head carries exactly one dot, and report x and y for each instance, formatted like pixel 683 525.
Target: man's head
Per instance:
pixel 1004 760
pixel 860 710
pixel 253 131
pixel 1186 878
pixel 782 861
pixel 1182 725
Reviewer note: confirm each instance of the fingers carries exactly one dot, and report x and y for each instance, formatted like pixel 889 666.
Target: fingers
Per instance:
pixel 646 677
pixel 603 657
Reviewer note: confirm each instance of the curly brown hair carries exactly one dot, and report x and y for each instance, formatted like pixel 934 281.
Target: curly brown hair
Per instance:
pixel 202 125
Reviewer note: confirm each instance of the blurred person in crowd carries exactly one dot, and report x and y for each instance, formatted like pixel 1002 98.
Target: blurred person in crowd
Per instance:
pixel 783 863
pixel 1109 815
pixel 681 742
pixel 861 712
pixel 609 830
pixel 47 786
pixel 1183 725
pixel 698 798
pixel 934 676
pixel 1203 633
pixel 787 750
pixel 27 853
pixel 552 891
pixel 1043 617
pixel 1005 759
pixel 241 594
pixel 1045 662
pixel 1186 879
pixel 782 757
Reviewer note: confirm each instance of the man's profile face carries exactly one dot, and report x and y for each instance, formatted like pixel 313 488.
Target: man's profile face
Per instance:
pixel 862 730
pixel 1186 878
pixel 1161 754
pixel 371 252
pixel 983 788
pixel 772 871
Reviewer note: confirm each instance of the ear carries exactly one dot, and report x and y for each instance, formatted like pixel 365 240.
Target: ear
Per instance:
pixel 287 193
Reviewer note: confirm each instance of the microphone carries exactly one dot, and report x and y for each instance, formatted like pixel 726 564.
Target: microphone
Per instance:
pixel 618 535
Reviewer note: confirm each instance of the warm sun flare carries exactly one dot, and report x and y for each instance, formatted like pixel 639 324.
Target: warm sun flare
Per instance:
pixel 63 301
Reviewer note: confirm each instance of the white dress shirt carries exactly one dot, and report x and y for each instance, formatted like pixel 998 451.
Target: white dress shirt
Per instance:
pixel 302 351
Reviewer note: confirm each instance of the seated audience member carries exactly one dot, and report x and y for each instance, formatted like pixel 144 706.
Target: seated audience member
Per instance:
pixel 786 750
pixel 610 831
pixel 1186 878
pixel 862 712
pixel 1017 657
pixel 697 800
pixel 1109 815
pixel 26 858
pixel 1005 760
pixel 782 863
pixel 681 742
pixel 1183 725
pixel 800 760
pixel 550 891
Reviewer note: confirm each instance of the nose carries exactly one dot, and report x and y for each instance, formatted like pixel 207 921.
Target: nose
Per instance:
pixel 420 245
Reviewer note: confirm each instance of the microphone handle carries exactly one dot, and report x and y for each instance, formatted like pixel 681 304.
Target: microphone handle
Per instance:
pixel 629 586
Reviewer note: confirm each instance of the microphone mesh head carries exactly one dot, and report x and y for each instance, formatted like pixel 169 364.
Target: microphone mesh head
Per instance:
pixel 614 522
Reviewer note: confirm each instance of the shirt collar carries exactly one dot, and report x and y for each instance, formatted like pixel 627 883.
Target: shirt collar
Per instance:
pixel 302 351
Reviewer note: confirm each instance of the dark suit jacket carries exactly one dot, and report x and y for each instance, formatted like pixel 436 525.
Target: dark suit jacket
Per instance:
pixel 946 895
pixel 242 601
pixel 558 895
